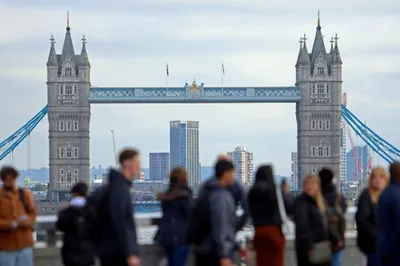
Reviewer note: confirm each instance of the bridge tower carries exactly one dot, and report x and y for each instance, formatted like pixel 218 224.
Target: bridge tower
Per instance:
pixel 318 114
pixel 68 83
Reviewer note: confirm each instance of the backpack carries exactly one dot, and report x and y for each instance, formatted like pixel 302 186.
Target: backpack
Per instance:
pixel 199 226
pixel 93 214
pixel 23 201
pixel 336 221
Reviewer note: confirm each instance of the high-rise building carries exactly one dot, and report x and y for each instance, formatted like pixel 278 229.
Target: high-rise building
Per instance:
pixel 159 166
pixel 358 163
pixel 243 161
pixel 343 152
pixel 294 182
pixel 184 148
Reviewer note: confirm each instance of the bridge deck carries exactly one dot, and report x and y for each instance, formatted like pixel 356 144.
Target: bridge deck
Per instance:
pixel 194 94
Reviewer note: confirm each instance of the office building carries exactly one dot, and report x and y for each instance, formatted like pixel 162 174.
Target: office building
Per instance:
pixel 294 181
pixel 243 161
pixel 159 166
pixel 184 149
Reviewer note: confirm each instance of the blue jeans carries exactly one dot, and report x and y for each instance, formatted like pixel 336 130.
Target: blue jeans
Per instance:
pixel 23 257
pixel 373 259
pixel 177 256
pixel 336 258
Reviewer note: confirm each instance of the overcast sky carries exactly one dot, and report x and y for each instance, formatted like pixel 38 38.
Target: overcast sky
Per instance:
pixel 129 43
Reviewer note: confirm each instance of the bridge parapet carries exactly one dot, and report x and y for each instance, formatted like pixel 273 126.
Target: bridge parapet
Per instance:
pixel 49 241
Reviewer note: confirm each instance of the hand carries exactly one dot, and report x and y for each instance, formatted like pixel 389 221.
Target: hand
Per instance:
pixel 340 244
pixel 133 261
pixel 23 217
pixel 23 222
pixel 226 262
pixel 244 253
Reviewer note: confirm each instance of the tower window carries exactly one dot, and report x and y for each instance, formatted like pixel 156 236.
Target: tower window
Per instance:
pixel 320 152
pixel 68 90
pixel 320 70
pixel 76 125
pixel 327 152
pixel 68 71
pixel 69 153
pixel 61 126
pixel 61 153
pixel 75 152
pixel 61 90
pixel 313 125
pixel 314 152
pixel 76 90
pixel 69 125
pixel 320 124
pixel 327 124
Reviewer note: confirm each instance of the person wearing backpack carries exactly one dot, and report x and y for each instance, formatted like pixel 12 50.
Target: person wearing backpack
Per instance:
pixel 336 209
pixel 117 240
pixel 76 251
pixel 176 205
pixel 212 226
pixel 18 215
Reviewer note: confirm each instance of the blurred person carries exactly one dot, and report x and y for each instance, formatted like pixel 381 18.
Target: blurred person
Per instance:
pixel 311 232
pixel 388 219
pixel 176 204
pixel 269 241
pixel 118 243
pixel 212 225
pixel 336 209
pixel 288 196
pixel 366 219
pixel 17 218
pixel 75 250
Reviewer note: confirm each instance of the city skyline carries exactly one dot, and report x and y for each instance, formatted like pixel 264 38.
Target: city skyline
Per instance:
pixel 367 68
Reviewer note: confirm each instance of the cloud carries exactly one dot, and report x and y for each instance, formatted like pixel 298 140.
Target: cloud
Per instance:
pixel 129 43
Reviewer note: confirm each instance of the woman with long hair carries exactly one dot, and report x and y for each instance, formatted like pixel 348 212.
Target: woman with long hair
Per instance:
pixel 366 215
pixel 175 204
pixel 312 236
pixel 269 241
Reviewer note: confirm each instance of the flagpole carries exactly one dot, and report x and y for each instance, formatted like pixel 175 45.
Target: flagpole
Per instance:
pixel 166 77
pixel 222 75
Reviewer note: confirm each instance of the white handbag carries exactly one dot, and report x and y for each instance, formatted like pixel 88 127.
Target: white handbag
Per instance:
pixel 282 211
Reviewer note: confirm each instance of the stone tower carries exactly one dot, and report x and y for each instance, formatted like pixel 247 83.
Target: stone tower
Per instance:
pixel 68 83
pixel 318 114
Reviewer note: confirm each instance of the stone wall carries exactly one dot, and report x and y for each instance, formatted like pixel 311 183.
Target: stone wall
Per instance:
pixel 153 255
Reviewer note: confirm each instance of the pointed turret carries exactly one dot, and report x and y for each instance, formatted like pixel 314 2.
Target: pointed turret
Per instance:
pixel 83 58
pixel 68 47
pixel 303 59
pixel 319 46
pixel 336 54
pixel 332 41
pixel 52 61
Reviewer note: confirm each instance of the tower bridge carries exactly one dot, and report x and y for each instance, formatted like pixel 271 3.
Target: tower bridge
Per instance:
pixel 317 95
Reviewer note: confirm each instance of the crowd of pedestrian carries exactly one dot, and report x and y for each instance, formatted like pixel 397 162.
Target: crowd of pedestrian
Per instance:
pixel 101 225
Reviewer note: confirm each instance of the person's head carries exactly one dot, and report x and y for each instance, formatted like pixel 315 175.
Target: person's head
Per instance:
pixel 326 176
pixel 130 163
pixel 80 190
pixel 378 180
pixel 222 156
pixel 9 177
pixel 225 172
pixel 285 185
pixel 394 171
pixel 265 173
pixel 178 176
pixel 312 188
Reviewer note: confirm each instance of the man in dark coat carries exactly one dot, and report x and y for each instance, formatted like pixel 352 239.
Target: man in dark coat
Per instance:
pixel 388 219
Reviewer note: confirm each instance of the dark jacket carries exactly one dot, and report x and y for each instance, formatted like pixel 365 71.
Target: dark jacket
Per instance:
pixel 119 240
pixel 239 198
pixel 330 195
pixel 75 251
pixel 176 203
pixel 366 223
pixel 388 220
pixel 263 205
pixel 221 241
pixel 310 227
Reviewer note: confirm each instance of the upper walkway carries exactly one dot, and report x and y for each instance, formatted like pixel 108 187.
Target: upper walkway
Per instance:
pixel 47 247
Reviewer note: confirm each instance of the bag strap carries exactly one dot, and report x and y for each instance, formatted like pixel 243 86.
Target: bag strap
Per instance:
pixel 22 199
pixel 281 204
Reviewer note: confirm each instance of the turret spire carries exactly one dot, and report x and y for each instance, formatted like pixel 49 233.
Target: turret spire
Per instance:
pixel 68 28
pixel 52 60
pixel 83 58
pixel 332 41
pixel 319 21
pixel 319 46
pixel 336 54
pixel 303 58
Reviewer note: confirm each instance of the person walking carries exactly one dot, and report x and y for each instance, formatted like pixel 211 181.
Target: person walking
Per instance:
pixel 388 219
pixel 269 241
pixel 212 225
pixel 17 218
pixel 287 195
pixel 118 245
pixel 75 250
pixel 176 205
pixel 336 208
pixel 312 242
pixel 366 216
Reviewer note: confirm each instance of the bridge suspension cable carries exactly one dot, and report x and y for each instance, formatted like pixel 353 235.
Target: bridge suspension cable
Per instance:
pixel 380 146
pixel 8 145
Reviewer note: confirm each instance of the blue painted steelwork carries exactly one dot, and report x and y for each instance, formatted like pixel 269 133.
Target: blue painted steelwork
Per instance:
pixel 9 144
pixel 194 94
pixel 386 150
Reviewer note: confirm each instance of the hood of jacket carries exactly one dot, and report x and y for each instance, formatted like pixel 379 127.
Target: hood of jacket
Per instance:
pixel 330 194
pixel 174 193
pixel 116 177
